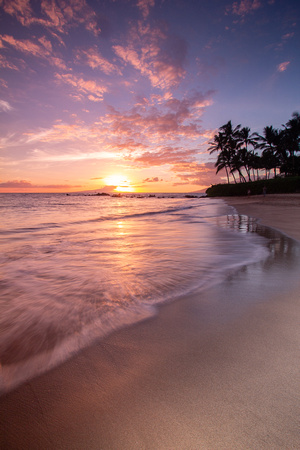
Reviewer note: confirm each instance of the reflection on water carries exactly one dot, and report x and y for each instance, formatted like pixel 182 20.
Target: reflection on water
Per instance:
pixel 281 247
pixel 280 270
pixel 75 269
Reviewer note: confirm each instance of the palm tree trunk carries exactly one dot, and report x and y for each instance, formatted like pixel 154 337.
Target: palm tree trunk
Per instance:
pixel 227 175
pixel 248 173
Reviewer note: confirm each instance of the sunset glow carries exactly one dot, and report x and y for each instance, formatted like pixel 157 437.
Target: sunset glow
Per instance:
pixel 91 90
pixel 119 183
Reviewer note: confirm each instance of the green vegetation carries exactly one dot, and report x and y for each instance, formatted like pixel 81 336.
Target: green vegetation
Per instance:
pixel 246 156
pixel 273 186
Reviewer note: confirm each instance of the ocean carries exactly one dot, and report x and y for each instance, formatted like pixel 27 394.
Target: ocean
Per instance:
pixel 75 268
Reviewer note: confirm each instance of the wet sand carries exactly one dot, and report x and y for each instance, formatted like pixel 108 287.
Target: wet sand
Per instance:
pixel 218 370
pixel 280 211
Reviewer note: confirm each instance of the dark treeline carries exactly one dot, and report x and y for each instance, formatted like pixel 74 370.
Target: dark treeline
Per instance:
pixel 244 155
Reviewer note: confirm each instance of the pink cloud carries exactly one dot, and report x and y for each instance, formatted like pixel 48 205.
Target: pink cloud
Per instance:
pixel 40 49
pixel 166 155
pixel 152 180
pixel 283 66
pixel 5 106
pixel 155 54
pixel 59 15
pixel 58 133
pixel 63 14
pixel 61 132
pixel 144 6
pixel 245 7
pixel 200 174
pixel 16 184
pixel 19 8
pixel 95 60
pixel 6 64
pixel 288 36
pixel 170 120
pixel 25 46
pixel 23 184
pixel 89 88
pixel 3 83
pixel 45 43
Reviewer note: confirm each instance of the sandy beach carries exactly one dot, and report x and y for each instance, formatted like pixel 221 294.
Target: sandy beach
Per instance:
pixel 218 370
pixel 280 211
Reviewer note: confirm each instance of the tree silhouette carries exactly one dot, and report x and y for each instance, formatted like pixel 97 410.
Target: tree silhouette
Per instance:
pixel 246 139
pixel 226 143
pixel 269 143
pixel 278 149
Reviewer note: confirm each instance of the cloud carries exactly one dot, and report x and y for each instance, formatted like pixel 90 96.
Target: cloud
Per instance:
pixel 5 64
pixel 5 106
pixel 16 184
pixel 3 83
pixel 76 134
pixel 26 46
pixel 245 7
pixel 156 54
pixel 283 66
pixel 89 88
pixel 41 49
pixel 21 9
pixel 42 156
pixel 157 121
pixel 152 180
pixel 144 6
pixel 195 173
pixel 95 60
pixel 165 155
pixel 24 184
pixel 59 15
pixel 288 36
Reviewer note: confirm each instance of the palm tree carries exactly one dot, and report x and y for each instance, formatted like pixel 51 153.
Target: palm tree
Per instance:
pixel 222 163
pixel 229 132
pixel 255 164
pixel 293 129
pixel 237 164
pixel 280 149
pixel 291 140
pixel 218 145
pixel 270 144
pixel 246 139
pixel 225 142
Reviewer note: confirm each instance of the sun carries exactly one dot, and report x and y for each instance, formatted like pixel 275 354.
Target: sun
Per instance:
pixel 120 183
pixel 114 180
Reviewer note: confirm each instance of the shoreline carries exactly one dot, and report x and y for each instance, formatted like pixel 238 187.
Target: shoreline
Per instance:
pixel 278 211
pixel 218 369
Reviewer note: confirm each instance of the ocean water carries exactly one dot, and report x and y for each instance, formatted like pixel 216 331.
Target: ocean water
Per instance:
pixel 75 268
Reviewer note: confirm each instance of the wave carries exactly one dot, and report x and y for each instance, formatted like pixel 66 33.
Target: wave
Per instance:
pixel 111 217
pixel 62 289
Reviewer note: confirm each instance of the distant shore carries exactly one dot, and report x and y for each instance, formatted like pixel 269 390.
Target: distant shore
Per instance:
pixel 204 373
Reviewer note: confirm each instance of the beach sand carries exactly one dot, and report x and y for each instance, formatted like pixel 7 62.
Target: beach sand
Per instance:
pixel 280 211
pixel 208 372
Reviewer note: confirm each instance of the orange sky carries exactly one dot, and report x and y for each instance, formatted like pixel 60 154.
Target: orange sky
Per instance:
pixel 100 95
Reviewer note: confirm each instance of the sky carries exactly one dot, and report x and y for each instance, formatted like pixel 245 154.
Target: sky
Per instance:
pixel 125 95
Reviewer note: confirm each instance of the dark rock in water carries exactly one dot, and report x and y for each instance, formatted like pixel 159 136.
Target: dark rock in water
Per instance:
pixel 191 196
pixel 103 193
